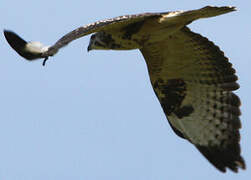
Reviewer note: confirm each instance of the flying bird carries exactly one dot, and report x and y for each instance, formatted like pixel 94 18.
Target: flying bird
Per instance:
pixel 191 77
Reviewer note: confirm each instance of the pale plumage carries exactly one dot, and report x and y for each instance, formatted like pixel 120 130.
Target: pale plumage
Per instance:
pixel 191 77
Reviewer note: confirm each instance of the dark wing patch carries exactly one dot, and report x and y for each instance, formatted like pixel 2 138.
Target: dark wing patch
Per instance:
pixel 184 111
pixel 173 93
pixel 131 29
pixel 193 81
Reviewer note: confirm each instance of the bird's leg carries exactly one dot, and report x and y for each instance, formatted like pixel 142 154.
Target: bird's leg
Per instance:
pixel 45 59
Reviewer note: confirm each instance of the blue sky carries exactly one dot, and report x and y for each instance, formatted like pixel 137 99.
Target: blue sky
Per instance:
pixel 94 115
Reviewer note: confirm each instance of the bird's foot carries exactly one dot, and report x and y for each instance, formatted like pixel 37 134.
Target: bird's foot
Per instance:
pixel 45 59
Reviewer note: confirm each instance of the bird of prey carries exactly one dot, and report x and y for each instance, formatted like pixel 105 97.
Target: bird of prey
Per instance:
pixel 191 77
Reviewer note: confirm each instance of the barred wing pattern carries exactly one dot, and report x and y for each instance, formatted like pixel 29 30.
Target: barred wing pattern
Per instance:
pixel 191 77
pixel 193 81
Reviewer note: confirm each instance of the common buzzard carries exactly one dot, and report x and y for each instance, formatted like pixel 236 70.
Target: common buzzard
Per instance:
pixel 191 77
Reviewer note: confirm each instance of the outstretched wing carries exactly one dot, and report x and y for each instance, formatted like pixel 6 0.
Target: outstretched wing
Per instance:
pixel 35 50
pixel 193 81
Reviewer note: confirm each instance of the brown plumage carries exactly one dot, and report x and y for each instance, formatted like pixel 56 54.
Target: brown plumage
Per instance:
pixel 191 77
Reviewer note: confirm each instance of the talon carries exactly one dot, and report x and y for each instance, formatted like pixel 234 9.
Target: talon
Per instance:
pixel 45 59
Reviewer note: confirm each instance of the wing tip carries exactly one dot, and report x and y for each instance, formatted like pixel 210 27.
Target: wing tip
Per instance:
pixel 29 51
pixel 230 8
pixel 223 159
pixel 233 8
pixel 15 41
pixel 225 8
pixel 234 167
pixel 211 11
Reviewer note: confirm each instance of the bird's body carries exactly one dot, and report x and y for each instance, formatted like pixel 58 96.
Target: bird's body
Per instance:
pixel 191 77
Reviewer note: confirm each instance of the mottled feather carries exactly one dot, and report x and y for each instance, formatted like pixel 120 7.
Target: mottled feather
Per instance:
pixel 193 81
pixel 191 77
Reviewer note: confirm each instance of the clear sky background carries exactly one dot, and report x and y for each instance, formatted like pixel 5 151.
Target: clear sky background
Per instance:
pixel 90 116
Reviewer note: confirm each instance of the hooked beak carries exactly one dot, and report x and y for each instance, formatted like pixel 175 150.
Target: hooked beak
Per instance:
pixel 89 48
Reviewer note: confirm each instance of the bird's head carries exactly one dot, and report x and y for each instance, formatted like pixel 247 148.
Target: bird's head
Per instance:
pixel 103 41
